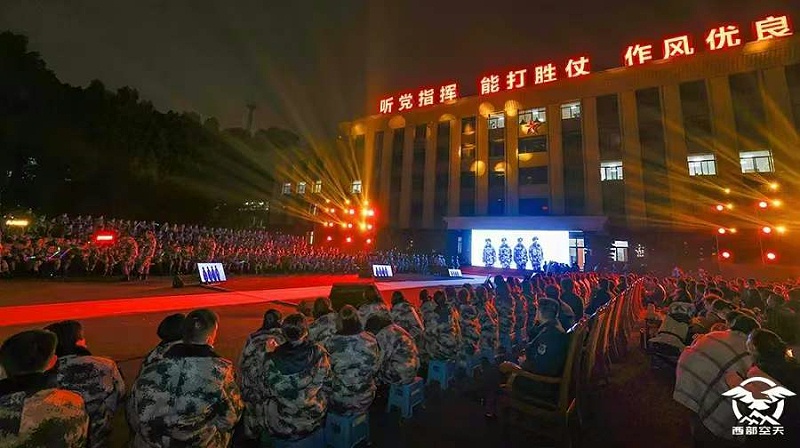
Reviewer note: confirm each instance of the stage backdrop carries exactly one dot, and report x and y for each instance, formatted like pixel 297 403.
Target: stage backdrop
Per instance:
pixel 487 248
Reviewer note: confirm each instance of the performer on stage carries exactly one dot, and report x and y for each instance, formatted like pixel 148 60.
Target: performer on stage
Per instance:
pixel 520 255
pixel 537 255
pixel 489 254
pixel 505 254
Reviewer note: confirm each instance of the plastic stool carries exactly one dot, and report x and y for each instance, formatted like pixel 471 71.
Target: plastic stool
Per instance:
pixel 313 440
pixel 473 364
pixel 346 431
pixel 406 396
pixel 441 371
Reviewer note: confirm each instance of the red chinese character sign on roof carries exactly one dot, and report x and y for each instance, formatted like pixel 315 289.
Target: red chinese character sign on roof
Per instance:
pixel 421 98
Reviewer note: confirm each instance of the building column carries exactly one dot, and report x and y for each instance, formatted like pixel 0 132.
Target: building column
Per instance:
pixel 405 184
pixel 367 169
pixel 512 161
pixel 555 153
pixel 591 157
pixel 782 138
pixel 454 193
pixel 723 125
pixel 429 184
pixel 386 174
pixel 676 152
pixel 632 161
pixel 482 167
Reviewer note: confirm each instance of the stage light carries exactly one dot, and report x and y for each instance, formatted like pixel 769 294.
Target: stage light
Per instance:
pixel 370 212
pixel 349 225
pixel 771 256
pixel 721 231
pixel 369 226
pixel 104 237
pixel 330 238
pixel 763 204
pixel 774 186
pixel 347 201
pixel 729 205
pixel 725 254
pixel 344 225
pixel 720 207
pixel 766 229
pixel 781 229
pixel 349 240
pixel 727 191
pixel 777 202
pixel 363 226
pixel 17 222
pixel 366 202
pixel 327 201
pixel 332 210
pixel 732 230
pixel 369 241
pixel 352 212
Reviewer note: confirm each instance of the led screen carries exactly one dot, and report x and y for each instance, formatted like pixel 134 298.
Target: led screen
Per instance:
pixel 488 248
pixel 211 272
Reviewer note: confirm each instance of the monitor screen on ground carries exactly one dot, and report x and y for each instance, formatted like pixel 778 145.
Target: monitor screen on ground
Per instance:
pixel 382 271
pixel 507 248
pixel 211 272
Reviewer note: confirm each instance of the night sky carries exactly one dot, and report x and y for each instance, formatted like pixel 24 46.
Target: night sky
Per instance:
pixel 311 64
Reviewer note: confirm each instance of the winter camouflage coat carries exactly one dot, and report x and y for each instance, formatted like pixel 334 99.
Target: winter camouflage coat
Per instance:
pixel 251 370
pixel 443 335
pixel 293 384
pixel 406 316
pixel 506 319
pixel 487 318
pixel 35 414
pixel 189 398
pixel 368 310
pixel 98 381
pixel 470 330
pixel 398 359
pixel 354 365
pixel 321 329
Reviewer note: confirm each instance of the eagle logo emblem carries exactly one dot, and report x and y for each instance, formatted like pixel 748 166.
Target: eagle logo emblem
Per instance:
pixel 769 399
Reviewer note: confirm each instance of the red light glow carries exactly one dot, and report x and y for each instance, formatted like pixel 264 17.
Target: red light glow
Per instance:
pixel 720 207
pixel 766 229
pixel 771 256
pixel 369 241
pixel 349 240
pixel 725 254
pixel 330 238
pixel 763 204
pixel 722 231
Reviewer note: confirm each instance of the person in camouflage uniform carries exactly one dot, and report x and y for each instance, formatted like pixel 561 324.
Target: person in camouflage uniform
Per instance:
pixel 520 319
pixel 373 304
pixel 489 254
pixel 354 364
pixel 487 318
pixel 443 333
pixel 34 412
pixel 148 246
pixel 95 378
pixel 189 398
pixel 170 331
pixel 427 311
pixel 537 254
pixel 504 254
pixel 399 359
pixel 505 312
pixel 324 325
pixel 296 374
pixel 470 325
pixel 520 255
pixel 251 365
pixel 128 252
pixel 407 317
pixel 206 249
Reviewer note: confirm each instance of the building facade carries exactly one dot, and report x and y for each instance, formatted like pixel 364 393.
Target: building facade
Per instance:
pixel 642 156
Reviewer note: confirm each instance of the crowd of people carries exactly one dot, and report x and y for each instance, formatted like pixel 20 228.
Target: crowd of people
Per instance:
pixel 64 246
pixel 716 334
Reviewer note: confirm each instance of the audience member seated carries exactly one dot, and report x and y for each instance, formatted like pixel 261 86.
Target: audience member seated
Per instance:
pixel 324 325
pixel 398 357
pixel 672 336
pixel 373 304
pixel 700 383
pixel 170 331
pixel 354 358
pixel 34 411
pixel 780 318
pixel 190 397
pixel 569 297
pixel 96 379
pixel 469 324
pixel 406 316
pixel 751 297
pixel 487 318
pixel 600 297
pixel 565 316
pixel 296 374
pixel 442 333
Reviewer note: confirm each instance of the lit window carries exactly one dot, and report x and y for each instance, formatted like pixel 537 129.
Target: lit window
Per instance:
pixel 301 188
pixel 355 188
pixel 571 110
pixel 287 188
pixel 756 161
pixel 611 170
pixel 318 187
pixel 532 122
pixel 702 165
pixel 619 251
pixel 497 120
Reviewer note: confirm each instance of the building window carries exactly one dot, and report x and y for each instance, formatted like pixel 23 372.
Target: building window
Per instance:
pixel 355 188
pixel 312 209
pixel 571 110
pixel 287 188
pixel 702 165
pixel 497 120
pixel 611 170
pixel 534 206
pixel 318 187
pixel 301 188
pixel 756 161
pixel 529 145
pixel 536 175
pixel 619 251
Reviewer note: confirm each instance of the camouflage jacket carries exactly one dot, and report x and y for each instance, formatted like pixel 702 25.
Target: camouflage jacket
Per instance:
pixel 506 317
pixel 470 329
pixel 294 383
pixel 189 398
pixel 368 310
pixel 442 334
pixel 157 353
pixel 251 370
pixel 321 329
pixel 489 330
pixel 406 316
pixel 99 382
pixel 398 359
pixel 35 414
pixel 354 364
pixel 520 318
